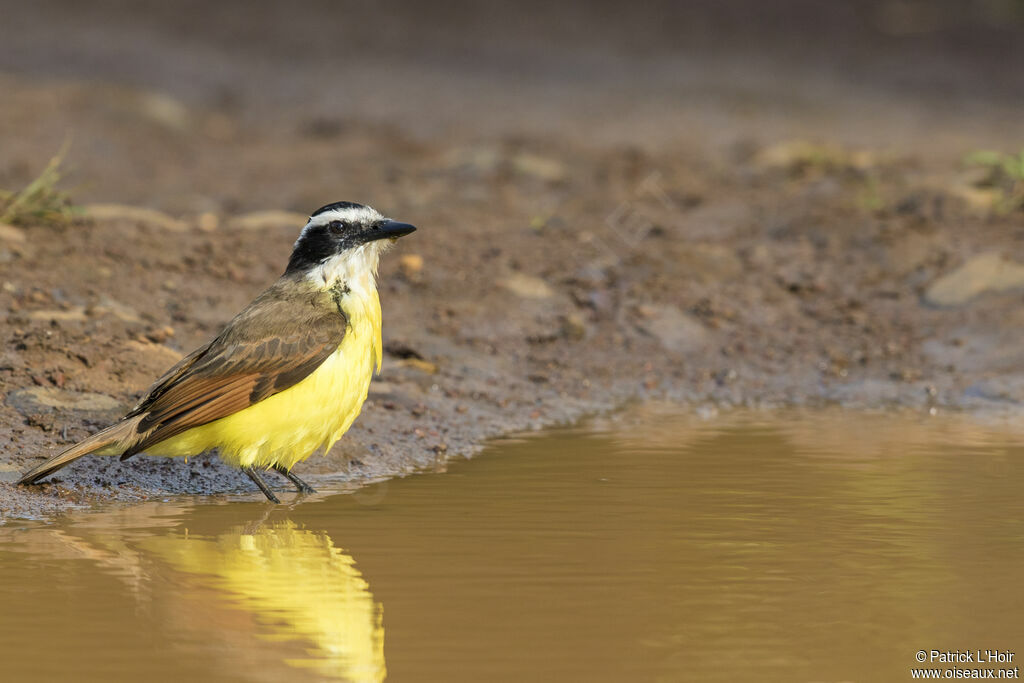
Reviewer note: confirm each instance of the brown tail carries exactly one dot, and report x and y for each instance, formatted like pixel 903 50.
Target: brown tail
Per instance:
pixel 119 436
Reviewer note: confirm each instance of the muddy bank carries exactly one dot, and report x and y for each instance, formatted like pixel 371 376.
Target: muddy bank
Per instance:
pixel 586 239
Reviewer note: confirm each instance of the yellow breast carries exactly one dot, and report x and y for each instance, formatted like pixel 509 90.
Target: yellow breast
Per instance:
pixel 290 426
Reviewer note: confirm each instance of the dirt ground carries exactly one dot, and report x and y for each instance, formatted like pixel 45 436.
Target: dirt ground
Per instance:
pixel 720 204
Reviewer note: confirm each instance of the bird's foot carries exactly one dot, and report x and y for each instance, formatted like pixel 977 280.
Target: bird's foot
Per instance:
pixel 302 486
pixel 258 480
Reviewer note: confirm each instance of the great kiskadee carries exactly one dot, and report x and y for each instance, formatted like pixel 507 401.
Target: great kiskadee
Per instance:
pixel 286 377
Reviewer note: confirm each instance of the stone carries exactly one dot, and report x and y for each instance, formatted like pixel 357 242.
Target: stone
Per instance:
pixel 411 266
pixel 479 160
pixel 988 272
pixel 797 156
pixel 9 233
pixel 134 214
pixel 676 331
pixel 487 160
pixel 164 110
pixel 108 306
pixel 982 200
pixel 527 286
pixel 159 353
pixel 574 327
pixel 73 314
pixel 542 168
pixel 47 399
pixel 208 221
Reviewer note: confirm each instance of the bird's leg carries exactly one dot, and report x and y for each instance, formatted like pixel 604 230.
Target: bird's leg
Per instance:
pixel 258 480
pixel 254 526
pixel 302 486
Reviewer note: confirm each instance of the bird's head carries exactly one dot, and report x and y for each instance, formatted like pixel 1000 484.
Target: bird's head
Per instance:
pixel 343 240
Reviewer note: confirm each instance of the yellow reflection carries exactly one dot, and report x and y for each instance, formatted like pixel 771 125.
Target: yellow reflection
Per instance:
pixel 297 585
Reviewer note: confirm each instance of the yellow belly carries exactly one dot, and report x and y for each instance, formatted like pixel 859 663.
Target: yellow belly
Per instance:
pixel 290 426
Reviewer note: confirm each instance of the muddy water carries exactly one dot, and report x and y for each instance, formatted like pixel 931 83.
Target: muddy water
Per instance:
pixel 649 548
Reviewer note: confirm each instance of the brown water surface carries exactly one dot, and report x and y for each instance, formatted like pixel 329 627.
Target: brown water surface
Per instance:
pixel 652 547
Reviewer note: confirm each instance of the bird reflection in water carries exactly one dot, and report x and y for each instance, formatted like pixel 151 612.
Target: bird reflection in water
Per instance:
pixel 297 585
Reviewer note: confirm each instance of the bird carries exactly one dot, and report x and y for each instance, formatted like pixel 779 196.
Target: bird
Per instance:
pixel 286 377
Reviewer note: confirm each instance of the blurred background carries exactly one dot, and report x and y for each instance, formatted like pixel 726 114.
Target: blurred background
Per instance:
pixel 729 202
pixel 938 77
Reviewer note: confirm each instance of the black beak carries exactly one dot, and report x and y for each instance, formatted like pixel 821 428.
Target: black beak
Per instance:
pixel 389 230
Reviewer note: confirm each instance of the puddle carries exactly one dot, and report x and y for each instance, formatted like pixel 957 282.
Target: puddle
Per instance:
pixel 652 547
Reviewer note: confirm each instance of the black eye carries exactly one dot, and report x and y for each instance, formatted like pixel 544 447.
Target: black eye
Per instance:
pixel 336 227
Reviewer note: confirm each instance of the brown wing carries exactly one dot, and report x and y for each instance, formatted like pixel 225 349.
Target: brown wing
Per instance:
pixel 273 344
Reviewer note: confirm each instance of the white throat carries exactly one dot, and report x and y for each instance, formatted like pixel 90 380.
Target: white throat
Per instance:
pixel 356 269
